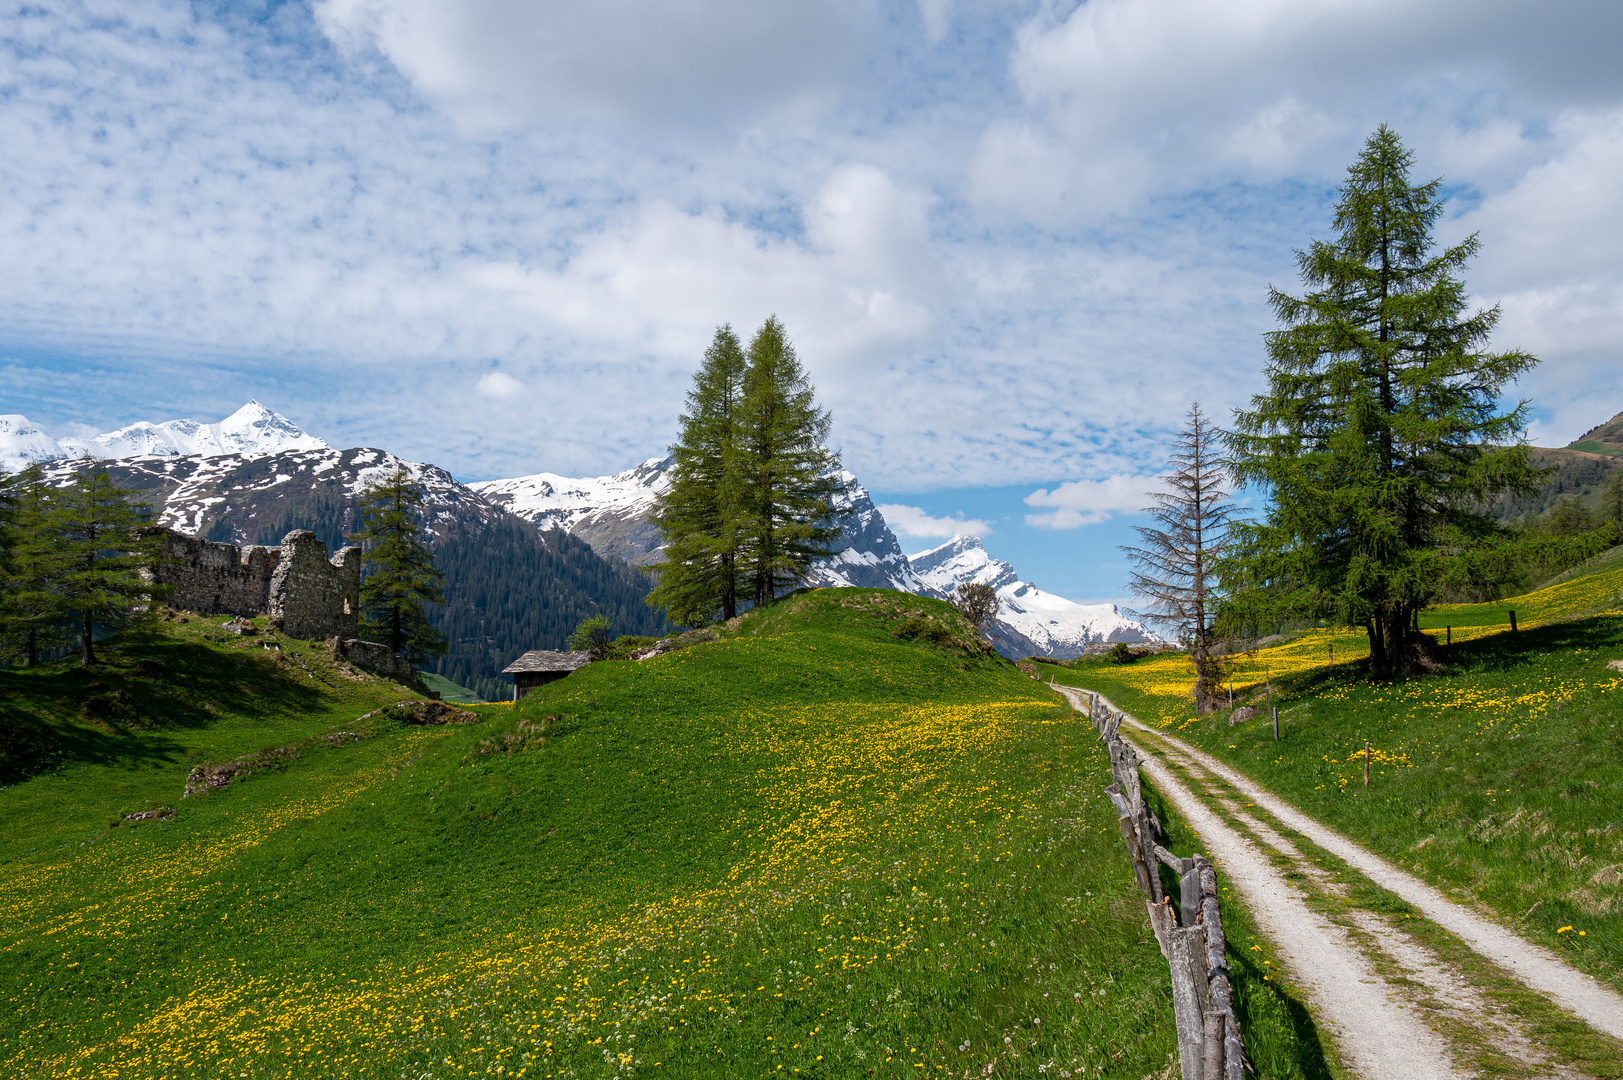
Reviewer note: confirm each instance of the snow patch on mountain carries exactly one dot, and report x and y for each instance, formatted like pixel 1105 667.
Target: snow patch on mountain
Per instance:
pixel 611 513
pixel 1030 622
pixel 251 431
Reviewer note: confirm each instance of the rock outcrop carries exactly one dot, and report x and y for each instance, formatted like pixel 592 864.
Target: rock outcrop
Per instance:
pixel 376 658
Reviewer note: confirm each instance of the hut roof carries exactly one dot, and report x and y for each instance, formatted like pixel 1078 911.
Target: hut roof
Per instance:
pixel 548 660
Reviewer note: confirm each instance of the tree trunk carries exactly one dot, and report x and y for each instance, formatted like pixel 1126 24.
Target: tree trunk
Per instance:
pixel 87 654
pixel 729 589
pixel 33 646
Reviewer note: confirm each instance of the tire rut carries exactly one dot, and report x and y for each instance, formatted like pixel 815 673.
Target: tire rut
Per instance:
pixel 1379 1030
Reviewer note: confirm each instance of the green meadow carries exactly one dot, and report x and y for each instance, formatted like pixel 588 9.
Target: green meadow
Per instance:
pixel 842 841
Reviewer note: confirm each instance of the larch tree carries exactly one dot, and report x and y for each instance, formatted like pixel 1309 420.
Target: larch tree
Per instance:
pixel 33 611
pixel 1176 562
pixel 701 574
pixel 787 476
pixel 1380 425
pixel 400 578
pixel 98 546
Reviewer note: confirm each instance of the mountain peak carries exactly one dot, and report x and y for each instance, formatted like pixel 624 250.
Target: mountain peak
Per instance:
pixel 252 430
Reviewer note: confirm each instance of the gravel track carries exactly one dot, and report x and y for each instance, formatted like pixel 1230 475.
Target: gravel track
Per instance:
pixel 1378 1032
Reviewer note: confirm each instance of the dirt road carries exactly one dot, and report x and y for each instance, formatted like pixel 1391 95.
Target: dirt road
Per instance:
pixel 1394 1006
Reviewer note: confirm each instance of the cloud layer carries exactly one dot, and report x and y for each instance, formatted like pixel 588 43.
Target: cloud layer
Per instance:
pixel 1011 241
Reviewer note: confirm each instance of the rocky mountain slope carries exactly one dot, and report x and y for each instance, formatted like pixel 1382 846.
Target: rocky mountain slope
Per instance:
pixel 1030 622
pixel 612 513
pixel 251 430
pixel 1604 438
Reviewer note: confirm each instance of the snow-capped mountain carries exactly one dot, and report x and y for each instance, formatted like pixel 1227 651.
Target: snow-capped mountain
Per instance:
pixel 23 442
pixel 1030 622
pixel 251 430
pixel 613 514
pixel 256 498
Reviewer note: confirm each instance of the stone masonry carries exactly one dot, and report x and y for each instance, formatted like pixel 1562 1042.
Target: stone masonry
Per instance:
pixel 312 596
pixel 211 578
pixel 305 593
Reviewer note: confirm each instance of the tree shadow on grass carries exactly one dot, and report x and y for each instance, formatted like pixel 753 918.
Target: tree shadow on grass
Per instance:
pixel 149 683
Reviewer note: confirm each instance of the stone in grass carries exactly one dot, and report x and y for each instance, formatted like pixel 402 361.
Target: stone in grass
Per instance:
pixel 1241 715
pixel 1615 665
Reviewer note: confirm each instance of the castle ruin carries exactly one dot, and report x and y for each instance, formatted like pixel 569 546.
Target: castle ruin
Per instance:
pixel 305 593
pixel 312 596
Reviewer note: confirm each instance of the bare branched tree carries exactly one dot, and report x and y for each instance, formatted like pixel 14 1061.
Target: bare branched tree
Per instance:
pixel 1174 565
pixel 978 603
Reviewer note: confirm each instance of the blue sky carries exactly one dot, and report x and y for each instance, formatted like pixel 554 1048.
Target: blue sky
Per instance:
pixel 1012 240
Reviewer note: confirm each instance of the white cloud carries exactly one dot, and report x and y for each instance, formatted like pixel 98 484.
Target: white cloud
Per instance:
pixel 197 207
pixel 1087 502
pixel 499 384
pixel 1141 97
pixel 645 60
pixel 912 521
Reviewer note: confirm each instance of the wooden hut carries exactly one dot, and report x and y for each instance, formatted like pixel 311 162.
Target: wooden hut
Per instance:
pixel 543 666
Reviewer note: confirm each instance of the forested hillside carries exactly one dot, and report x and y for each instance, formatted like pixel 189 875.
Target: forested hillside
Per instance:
pixel 509 588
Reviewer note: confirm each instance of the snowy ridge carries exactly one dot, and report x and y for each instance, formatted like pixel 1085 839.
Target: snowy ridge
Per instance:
pixel 1030 622
pixel 250 431
pixel 23 442
pixel 238 496
pixel 550 501
pixel 611 513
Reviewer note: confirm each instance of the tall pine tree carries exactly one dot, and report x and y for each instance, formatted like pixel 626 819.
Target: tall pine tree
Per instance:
pixel 1380 424
pixel 33 611
pixel 698 515
pixel 787 477
pixel 400 577
pixel 99 546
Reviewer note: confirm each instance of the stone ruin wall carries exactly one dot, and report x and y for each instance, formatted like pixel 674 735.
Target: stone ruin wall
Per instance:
pixel 211 578
pixel 312 596
pixel 305 593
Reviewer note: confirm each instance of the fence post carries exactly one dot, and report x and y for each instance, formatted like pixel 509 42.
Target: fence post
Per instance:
pixel 1332 654
pixel 1449 630
pixel 1276 724
pixel 1366 763
pixel 1512 622
pixel 1187 960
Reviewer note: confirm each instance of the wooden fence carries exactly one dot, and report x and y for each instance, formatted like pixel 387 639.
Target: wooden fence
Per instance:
pixel 1189 932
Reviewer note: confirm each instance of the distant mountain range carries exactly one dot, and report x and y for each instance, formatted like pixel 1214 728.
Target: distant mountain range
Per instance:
pixel 612 513
pixel 526 557
pixel 252 429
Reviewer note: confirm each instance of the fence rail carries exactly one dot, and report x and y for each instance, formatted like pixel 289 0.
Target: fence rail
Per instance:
pixel 1190 934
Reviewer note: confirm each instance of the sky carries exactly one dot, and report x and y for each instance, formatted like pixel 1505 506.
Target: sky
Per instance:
pixel 1012 240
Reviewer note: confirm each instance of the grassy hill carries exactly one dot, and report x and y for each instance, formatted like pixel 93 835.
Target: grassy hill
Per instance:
pixel 842 841
pixel 1500 779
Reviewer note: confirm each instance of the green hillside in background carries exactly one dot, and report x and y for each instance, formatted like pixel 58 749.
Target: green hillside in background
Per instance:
pixel 845 840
